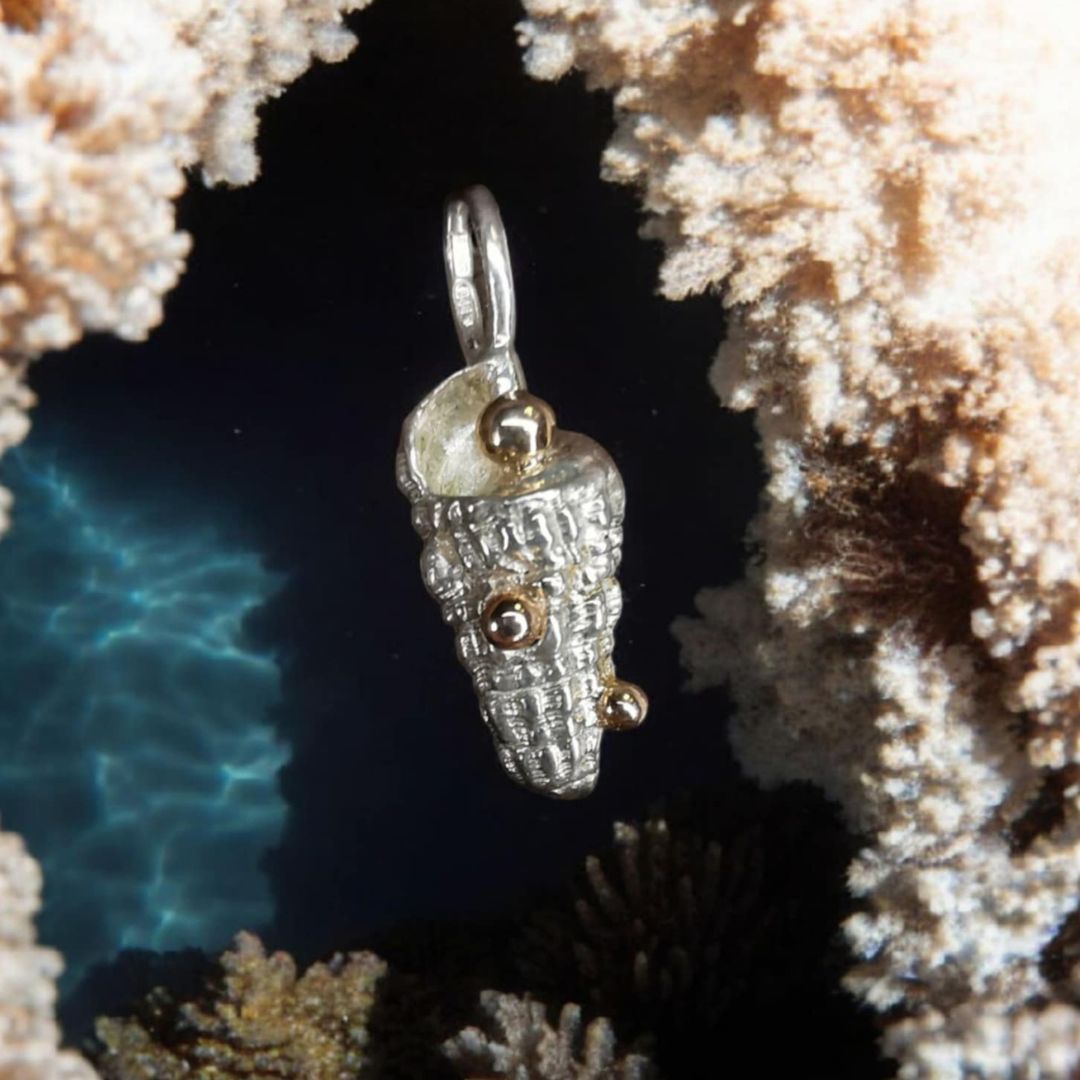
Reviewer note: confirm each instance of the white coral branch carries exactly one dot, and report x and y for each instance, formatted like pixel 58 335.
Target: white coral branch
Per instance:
pixel 29 1036
pixel 103 105
pixel 884 191
pixel 524 1046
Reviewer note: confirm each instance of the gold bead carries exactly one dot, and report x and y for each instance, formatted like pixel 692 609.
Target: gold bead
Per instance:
pixel 515 620
pixel 623 706
pixel 517 428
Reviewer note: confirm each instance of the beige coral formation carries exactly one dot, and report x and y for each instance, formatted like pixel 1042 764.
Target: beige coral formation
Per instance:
pixel 883 191
pixel 975 1041
pixel 29 1036
pixel 523 1045
pixel 250 51
pixel 262 1020
pixel 103 105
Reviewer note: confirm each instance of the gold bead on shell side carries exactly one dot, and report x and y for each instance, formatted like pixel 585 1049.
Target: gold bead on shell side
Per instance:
pixel 623 706
pixel 516 429
pixel 515 619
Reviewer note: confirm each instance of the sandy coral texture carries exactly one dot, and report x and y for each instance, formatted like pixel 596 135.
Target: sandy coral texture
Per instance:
pixel 883 192
pixel 103 104
pixel 28 1032
pixel 260 1019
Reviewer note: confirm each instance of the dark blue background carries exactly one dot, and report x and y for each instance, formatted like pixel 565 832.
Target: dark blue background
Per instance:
pixel 312 317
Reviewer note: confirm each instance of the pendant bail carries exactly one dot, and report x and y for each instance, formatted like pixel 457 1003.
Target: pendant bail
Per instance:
pixel 479 277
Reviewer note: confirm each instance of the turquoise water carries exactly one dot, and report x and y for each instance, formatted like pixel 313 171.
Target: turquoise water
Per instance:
pixel 136 753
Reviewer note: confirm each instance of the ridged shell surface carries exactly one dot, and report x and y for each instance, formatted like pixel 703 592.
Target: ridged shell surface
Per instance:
pixel 488 530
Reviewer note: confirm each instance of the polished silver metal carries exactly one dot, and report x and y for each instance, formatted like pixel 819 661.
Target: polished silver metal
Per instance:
pixel 479 278
pixel 550 534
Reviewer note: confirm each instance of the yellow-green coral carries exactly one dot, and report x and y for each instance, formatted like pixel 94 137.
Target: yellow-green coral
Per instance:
pixel 260 1021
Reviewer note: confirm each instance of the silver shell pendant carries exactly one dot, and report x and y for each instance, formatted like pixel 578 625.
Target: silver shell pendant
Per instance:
pixel 522 531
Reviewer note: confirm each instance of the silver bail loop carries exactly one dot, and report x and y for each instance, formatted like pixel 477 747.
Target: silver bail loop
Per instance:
pixel 479 277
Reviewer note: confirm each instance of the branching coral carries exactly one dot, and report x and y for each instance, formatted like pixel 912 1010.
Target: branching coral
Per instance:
pixel 262 1020
pixel 653 922
pixel 102 107
pixel 978 1043
pixel 699 921
pixel 884 193
pixel 103 104
pixel 28 1031
pixel 250 51
pixel 525 1046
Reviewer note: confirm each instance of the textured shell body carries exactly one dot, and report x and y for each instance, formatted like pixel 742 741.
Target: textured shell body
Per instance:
pixel 488 530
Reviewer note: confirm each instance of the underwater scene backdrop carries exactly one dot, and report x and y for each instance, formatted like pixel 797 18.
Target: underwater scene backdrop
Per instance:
pixel 225 700
pixel 136 754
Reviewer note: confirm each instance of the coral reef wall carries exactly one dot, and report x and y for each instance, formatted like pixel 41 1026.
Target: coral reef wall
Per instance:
pixel 103 105
pixel 28 1033
pixel 884 194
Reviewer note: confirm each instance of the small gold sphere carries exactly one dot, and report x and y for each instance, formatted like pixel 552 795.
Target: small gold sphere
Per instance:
pixel 515 620
pixel 517 428
pixel 623 706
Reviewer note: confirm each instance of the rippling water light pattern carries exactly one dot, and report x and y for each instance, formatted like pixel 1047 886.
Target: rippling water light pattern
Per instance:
pixel 136 752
